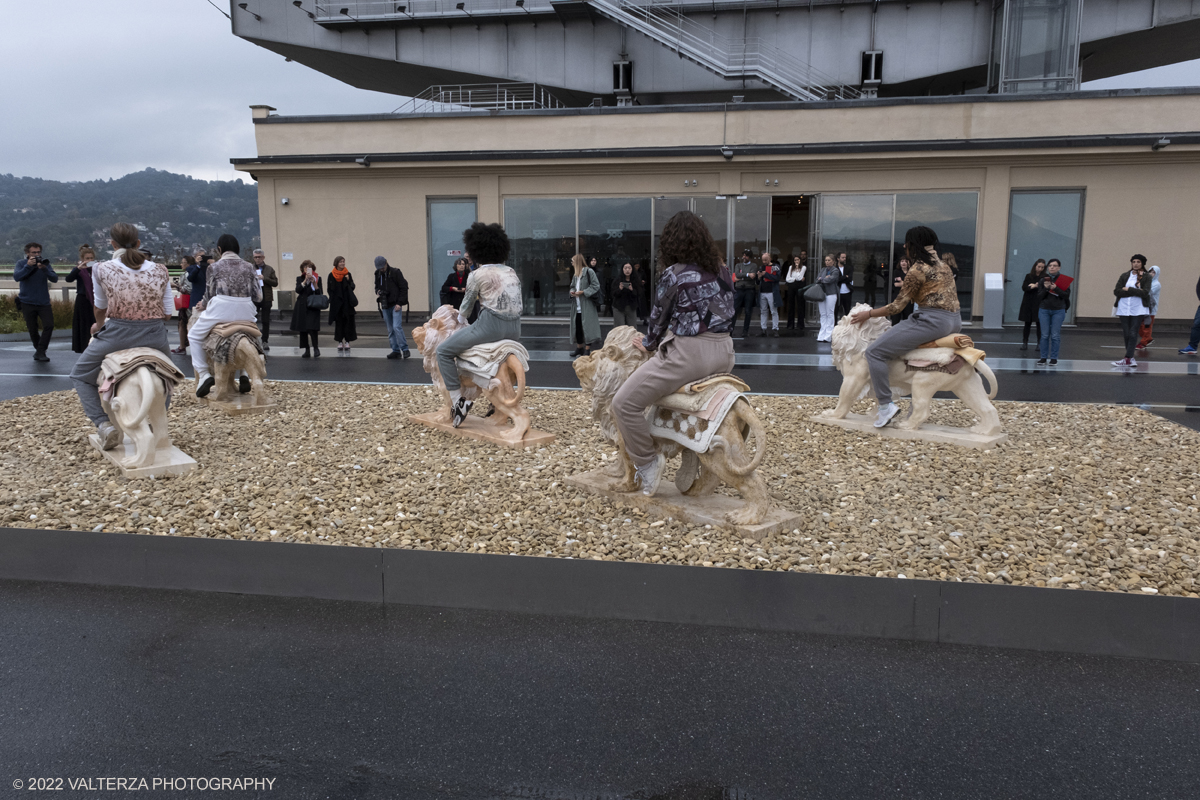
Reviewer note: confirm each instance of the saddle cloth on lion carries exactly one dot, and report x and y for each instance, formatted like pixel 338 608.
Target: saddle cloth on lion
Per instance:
pixel 117 366
pixel 483 360
pixel 948 354
pixel 223 340
pixel 692 415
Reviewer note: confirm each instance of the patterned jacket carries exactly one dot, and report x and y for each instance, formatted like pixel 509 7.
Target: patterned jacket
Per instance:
pixel 689 302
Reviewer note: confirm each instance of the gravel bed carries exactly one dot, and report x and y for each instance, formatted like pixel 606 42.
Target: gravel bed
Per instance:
pixel 1093 497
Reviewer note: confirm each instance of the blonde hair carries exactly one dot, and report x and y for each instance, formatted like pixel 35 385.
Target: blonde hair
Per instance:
pixel 126 236
pixel 578 263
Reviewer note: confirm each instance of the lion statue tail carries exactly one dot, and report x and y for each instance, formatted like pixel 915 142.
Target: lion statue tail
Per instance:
pixel 756 431
pixel 989 376
pixel 130 417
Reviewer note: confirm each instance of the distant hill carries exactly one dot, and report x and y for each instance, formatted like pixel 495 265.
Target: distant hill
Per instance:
pixel 175 213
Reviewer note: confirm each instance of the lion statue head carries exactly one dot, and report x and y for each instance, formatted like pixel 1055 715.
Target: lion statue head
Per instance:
pixel 603 372
pixel 850 340
pixel 427 337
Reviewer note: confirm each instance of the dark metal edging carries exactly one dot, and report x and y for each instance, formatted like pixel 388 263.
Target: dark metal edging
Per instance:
pixel 1089 622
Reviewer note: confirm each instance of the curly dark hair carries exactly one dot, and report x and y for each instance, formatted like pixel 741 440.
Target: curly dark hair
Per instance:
pixel 686 240
pixel 486 244
pixel 916 239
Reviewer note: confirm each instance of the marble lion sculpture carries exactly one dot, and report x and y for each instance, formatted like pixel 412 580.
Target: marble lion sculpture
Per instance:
pixel 728 459
pixel 234 347
pixel 849 342
pixel 505 391
pixel 138 409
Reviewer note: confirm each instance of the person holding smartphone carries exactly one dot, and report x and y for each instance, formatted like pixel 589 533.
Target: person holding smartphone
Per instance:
pixel 85 315
pixel 624 297
pixel 307 321
pixel 1053 301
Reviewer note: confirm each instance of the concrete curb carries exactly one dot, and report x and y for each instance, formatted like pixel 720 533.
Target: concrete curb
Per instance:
pixel 1055 620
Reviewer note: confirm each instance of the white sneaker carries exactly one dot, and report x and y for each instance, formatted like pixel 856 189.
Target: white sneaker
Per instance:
pixel 1132 362
pixel 1121 362
pixel 885 414
pixel 647 476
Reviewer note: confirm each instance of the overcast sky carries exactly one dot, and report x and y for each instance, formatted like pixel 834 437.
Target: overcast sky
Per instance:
pixel 70 108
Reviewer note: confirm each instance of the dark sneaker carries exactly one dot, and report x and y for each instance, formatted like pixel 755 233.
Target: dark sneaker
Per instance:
pixel 461 409
pixel 1054 362
pixel 244 385
pixel 407 354
pixel 1041 362
pixel 775 334
pixel 266 347
pixel 40 355
pixel 205 386
pixel 395 354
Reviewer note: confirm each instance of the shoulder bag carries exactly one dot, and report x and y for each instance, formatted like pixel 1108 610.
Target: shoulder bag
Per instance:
pixel 814 293
pixel 317 302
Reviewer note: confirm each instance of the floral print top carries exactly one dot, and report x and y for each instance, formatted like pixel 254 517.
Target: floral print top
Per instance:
pixel 230 276
pixel 689 302
pixel 929 285
pixel 497 288
pixel 132 294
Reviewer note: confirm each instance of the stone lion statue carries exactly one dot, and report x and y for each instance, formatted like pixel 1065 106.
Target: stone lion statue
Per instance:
pixel 234 347
pixel 135 384
pixel 849 342
pixel 728 459
pixel 505 389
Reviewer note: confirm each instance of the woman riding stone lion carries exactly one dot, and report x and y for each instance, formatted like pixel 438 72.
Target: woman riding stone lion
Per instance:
pixel 689 337
pixel 930 284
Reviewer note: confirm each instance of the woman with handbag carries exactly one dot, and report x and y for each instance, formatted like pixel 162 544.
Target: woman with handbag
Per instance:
pixel 795 299
pixel 85 317
pixel 310 302
pixel 183 302
pixel 825 294
pixel 585 316
pixel 342 302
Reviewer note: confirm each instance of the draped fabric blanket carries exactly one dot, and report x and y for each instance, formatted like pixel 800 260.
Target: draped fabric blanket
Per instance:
pixel 121 364
pixel 483 361
pixel 222 343
pixel 692 415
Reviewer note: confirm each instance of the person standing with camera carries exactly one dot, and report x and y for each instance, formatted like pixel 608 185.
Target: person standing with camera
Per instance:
pixel 306 319
pixel 267 281
pixel 1053 301
pixel 34 275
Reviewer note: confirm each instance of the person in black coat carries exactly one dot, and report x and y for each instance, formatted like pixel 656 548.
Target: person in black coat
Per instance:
pixel 1029 303
pixel 342 301
pixel 456 285
pixel 85 316
pixel 307 321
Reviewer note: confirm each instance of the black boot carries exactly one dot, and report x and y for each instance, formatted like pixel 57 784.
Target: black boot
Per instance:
pixel 316 352
pixel 306 353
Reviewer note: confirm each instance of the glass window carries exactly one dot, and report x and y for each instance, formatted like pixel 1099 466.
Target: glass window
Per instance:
pixel 859 225
pixel 1041 225
pixel 751 225
pixel 542 233
pixel 447 221
pixel 1042 40
pixel 952 216
pixel 614 231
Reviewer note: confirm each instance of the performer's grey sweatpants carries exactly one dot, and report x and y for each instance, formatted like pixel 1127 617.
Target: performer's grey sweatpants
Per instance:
pixel 117 334
pixel 677 362
pixel 487 328
pixel 923 326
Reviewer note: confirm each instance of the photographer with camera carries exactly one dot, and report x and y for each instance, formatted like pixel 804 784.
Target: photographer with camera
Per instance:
pixel 1053 300
pixel 34 274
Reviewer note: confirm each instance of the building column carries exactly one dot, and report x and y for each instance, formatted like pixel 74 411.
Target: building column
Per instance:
pixel 487 204
pixel 990 255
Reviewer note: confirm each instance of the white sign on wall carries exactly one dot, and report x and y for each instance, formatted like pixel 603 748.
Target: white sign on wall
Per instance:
pixel 288 257
pixel 454 253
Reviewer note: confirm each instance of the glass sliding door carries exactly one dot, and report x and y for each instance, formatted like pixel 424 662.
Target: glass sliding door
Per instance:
pixel 859 225
pixel 952 215
pixel 448 218
pixel 1041 224
pixel 751 225
pixel 614 231
pixel 542 233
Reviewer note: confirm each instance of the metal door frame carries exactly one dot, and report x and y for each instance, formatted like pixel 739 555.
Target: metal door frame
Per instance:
pixel 430 201
pixel 1082 192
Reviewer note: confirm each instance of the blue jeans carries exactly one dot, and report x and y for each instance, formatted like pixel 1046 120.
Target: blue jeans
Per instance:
pixel 1051 322
pixel 1194 340
pixel 392 318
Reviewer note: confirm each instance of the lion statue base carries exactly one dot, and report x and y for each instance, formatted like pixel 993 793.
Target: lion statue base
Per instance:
pixel 728 458
pixel 920 374
pixel 135 386
pixel 495 370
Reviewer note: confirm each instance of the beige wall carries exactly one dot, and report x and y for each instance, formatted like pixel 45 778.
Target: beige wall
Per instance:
pixel 1137 200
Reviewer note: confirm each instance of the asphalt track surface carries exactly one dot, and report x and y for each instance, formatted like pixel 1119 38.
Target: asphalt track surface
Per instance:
pixel 355 700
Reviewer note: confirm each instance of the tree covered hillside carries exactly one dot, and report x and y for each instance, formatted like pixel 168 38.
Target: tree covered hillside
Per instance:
pixel 175 213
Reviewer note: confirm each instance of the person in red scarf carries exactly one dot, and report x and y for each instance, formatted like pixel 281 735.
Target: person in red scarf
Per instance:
pixel 85 317
pixel 341 304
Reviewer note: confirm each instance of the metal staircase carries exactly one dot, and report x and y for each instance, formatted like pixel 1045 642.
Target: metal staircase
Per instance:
pixel 734 59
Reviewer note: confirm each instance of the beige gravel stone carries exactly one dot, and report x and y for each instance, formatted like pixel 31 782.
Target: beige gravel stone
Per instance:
pixel 1091 497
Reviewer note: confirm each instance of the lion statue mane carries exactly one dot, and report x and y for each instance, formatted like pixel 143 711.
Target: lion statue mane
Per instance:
pixel 849 342
pixel 728 460
pixel 505 391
